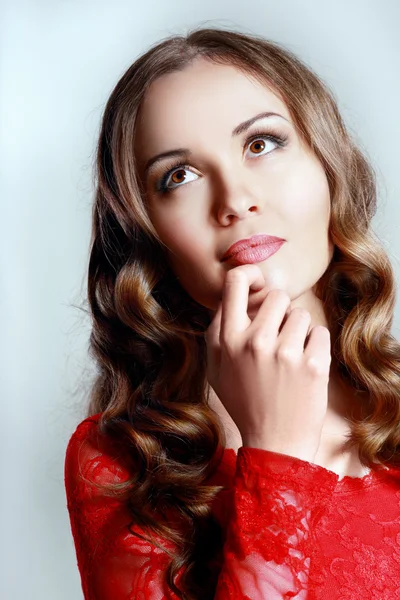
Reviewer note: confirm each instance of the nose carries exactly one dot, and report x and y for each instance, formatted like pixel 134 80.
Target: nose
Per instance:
pixel 236 200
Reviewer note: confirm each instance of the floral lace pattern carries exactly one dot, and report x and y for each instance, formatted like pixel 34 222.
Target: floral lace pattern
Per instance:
pixel 292 529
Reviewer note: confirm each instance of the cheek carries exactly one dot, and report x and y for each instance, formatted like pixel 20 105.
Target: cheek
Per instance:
pixel 305 197
pixel 178 235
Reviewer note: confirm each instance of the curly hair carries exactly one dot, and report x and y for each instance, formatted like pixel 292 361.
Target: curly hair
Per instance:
pixel 147 336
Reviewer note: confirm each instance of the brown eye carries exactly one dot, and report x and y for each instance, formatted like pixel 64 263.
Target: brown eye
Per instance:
pixel 258 146
pixel 178 176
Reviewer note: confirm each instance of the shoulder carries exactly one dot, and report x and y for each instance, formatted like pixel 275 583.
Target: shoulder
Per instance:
pixel 84 434
pixel 91 457
pixel 85 428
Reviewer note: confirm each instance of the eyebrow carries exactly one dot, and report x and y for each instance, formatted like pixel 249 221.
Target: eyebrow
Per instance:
pixel 186 152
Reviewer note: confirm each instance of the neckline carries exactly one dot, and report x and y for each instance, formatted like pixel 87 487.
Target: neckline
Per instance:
pixel 345 485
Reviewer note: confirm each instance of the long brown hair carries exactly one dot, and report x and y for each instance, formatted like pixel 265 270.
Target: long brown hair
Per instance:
pixel 147 336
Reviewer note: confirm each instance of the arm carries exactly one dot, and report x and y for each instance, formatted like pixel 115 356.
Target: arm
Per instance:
pixel 277 499
pixel 277 502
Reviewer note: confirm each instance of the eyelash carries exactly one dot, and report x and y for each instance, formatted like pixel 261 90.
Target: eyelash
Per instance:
pixel 281 141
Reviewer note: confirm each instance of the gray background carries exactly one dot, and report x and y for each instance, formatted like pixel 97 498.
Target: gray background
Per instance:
pixel 59 61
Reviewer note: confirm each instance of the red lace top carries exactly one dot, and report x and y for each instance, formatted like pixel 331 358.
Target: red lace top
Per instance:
pixel 292 529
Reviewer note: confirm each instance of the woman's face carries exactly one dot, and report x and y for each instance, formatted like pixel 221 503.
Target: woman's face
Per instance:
pixel 228 187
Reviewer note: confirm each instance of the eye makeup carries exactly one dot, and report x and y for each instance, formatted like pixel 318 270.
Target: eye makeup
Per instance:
pixel 279 139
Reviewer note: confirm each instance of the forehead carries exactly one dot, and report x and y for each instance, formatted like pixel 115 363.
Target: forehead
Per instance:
pixel 203 99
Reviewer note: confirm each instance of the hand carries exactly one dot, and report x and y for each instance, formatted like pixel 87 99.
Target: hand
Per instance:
pixel 271 379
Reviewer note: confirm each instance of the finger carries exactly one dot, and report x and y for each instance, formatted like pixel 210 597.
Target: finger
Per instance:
pixel 272 312
pixel 319 346
pixel 295 330
pixel 235 298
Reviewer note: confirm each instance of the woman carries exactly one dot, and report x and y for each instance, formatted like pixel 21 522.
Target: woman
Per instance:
pixel 242 438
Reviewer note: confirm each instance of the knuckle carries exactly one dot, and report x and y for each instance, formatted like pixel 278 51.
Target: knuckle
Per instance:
pixel 316 366
pixel 287 355
pixel 257 343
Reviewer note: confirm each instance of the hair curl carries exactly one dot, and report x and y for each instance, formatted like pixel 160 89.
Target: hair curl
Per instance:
pixel 147 336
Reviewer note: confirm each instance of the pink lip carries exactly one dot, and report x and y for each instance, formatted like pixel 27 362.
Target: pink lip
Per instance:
pixel 250 244
pixel 254 255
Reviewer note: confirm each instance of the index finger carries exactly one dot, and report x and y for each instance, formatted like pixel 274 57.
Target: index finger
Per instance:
pixel 235 298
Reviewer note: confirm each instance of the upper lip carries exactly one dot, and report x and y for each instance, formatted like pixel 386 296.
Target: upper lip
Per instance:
pixel 255 240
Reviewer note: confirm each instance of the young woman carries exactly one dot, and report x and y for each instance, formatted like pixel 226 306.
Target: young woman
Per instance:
pixel 242 437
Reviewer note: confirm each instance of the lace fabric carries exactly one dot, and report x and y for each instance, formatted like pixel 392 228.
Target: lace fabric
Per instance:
pixel 292 529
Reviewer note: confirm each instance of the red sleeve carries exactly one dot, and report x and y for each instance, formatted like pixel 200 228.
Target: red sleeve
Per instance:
pixel 277 501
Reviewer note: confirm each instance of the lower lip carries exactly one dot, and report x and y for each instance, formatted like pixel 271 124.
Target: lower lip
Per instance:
pixel 255 254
